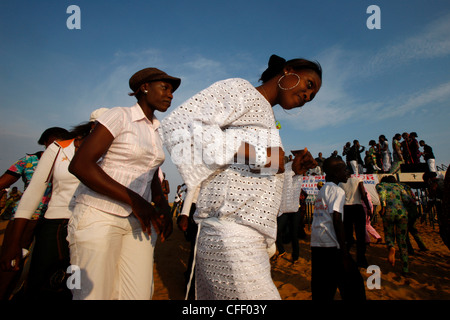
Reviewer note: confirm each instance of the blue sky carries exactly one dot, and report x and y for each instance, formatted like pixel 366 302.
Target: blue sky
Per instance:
pixel 380 81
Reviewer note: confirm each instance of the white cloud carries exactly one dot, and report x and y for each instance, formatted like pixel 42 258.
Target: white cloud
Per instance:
pixel 201 64
pixel 337 104
pixel 334 104
pixel 402 106
pixel 432 42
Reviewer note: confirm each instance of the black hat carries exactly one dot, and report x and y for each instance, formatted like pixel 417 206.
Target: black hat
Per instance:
pixel 149 75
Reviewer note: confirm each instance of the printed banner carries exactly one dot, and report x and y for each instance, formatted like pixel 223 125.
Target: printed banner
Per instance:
pixel 309 184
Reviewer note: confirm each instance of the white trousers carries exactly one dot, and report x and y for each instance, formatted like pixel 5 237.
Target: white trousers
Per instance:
pixel 432 165
pixel 387 162
pixel 355 166
pixel 113 254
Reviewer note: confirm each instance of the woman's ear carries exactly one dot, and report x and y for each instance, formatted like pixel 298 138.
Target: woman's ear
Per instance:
pixel 144 88
pixel 287 69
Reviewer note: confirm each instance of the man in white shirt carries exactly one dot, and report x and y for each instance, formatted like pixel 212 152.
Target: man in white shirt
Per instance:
pixel 330 260
pixel 355 217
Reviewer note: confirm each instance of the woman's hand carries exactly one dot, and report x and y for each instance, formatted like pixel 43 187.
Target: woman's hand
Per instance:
pixel 166 223
pixel 163 219
pixel 11 258
pixel 146 213
pixel 183 222
pixel 303 161
pixel 149 215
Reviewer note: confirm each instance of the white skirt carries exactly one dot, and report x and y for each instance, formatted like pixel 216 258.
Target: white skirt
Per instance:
pixel 232 263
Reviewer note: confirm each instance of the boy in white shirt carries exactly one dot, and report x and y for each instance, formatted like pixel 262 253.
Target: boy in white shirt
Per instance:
pixel 330 261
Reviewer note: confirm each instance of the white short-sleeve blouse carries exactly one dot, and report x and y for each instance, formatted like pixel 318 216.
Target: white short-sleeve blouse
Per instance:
pixel 132 159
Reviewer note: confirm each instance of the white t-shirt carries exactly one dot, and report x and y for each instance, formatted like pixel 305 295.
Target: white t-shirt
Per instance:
pixel 54 160
pixel 351 189
pixel 330 198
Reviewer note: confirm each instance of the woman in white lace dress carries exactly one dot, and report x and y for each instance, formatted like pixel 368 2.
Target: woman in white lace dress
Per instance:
pixel 385 152
pixel 224 142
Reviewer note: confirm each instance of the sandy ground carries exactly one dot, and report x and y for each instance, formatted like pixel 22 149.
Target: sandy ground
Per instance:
pixel 429 278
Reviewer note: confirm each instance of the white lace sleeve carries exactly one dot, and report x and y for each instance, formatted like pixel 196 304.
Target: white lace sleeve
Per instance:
pixel 292 186
pixel 198 134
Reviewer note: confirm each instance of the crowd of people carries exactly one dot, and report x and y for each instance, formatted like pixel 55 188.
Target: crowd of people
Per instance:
pixel 97 199
pixel 378 158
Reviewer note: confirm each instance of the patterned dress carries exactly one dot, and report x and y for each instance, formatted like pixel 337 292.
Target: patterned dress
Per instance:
pixel 236 209
pixel 394 197
pixel 24 168
pixel 373 156
pixel 397 156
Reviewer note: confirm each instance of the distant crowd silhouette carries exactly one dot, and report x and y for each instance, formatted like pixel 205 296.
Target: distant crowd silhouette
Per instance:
pixel 378 157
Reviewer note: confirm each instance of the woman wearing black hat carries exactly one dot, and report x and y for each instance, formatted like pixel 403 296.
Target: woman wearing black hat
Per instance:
pixel 225 143
pixel 114 227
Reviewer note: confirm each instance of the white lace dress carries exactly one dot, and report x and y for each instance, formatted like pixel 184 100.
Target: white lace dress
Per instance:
pixel 236 209
pixel 387 161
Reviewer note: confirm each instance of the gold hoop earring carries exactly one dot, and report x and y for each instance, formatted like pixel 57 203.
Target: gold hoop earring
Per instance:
pixel 288 74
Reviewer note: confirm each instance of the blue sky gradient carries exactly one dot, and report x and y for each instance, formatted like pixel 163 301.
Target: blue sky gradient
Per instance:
pixel 380 81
